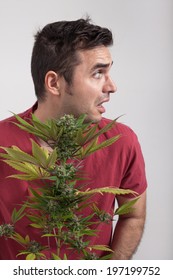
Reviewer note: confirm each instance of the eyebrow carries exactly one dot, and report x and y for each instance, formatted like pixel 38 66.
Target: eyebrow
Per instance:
pixel 101 65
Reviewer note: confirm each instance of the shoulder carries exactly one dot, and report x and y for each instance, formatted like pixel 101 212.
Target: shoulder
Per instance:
pixel 117 127
pixel 127 135
pixel 10 133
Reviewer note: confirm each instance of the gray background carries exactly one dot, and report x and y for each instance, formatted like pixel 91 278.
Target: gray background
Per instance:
pixel 142 70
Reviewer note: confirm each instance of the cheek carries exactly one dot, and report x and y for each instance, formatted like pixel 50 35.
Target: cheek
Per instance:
pixel 86 94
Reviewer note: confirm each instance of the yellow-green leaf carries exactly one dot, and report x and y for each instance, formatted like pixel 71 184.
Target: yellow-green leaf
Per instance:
pixel 19 238
pixel 40 154
pixel 126 207
pixel 52 159
pixel 115 191
pixel 100 248
pixel 36 225
pixel 31 256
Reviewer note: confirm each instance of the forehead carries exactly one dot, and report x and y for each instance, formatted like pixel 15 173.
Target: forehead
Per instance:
pixel 95 56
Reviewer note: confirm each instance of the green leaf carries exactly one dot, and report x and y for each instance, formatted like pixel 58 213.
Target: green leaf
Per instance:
pixel 31 171
pixel 100 248
pixel 36 194
pixel 126 207
pixel 115 191
pixel 90 146
pixel 81 119
pixel 36 225
pixel 49 235
pixel 65 257
pixel 26 126
pixel 82 139
pixel 104 144
pixel 19 238
pixel 52 159
pixel 18 155
pixel 31 256
pixel 23 177
pixel 24 123
pixel 33 219
pixel 89 232
pixel 105 128
pixel 54 133
pixel 18 215
pixel 40 154
pixel 27 238
pixel 106 257
pixel 43 128
pixel 56 257
pixel 20 166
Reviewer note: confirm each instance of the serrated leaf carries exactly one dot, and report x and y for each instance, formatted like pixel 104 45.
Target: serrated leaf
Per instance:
pixel 24 124
pixel 18 155
pixel 43 128
pixel 90 146
pixel 33 219
pixel 5 156
pixel 25 177
pixel 13 216
pixel 23 167
pixel 19 238
pixel 104 144
pixel 81 119
pixel 126 207
pixel 54 130
pixel 32 130
pixel 35 193
pixel 18 215
pixel 115 191
pixel 40 154
pixel 105 128
pixel 82 139
pixel 52 159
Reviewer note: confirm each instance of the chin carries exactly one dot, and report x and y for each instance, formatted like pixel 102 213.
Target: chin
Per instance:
pixel 94 119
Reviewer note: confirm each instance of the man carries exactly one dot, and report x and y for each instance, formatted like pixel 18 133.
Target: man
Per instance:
pixel 70 68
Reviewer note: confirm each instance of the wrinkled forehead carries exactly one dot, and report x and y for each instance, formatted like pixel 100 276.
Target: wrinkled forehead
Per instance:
pixel 96 57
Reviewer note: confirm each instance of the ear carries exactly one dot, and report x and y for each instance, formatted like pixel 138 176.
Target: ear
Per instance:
pixel 52 82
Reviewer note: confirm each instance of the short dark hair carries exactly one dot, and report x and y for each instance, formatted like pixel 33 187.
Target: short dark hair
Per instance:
pixel 56 47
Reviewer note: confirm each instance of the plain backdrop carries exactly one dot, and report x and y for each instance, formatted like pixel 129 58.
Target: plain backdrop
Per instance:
pixel 142 70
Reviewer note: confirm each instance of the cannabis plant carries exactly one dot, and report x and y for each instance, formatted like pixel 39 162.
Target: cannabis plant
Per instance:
pixel 55 206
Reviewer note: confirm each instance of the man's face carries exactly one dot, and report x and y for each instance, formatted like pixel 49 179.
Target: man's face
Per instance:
pixel 91 85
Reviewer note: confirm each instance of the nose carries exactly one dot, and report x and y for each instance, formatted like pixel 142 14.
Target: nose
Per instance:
pixel 110 86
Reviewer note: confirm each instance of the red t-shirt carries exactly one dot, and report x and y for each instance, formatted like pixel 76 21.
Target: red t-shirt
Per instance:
pixel 119 165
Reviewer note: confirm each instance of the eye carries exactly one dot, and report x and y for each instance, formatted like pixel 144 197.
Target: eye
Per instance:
pixel 98 74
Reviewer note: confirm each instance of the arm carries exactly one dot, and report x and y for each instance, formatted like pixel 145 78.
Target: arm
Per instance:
pixel 129 229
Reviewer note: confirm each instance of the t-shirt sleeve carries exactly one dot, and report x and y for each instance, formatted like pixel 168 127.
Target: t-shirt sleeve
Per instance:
pixel 134 176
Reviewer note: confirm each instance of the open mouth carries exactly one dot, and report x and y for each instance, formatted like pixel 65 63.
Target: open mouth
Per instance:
pixel 101 109
pixel 100 106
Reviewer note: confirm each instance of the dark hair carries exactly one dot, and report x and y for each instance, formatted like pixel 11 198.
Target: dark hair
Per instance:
pixel 56 48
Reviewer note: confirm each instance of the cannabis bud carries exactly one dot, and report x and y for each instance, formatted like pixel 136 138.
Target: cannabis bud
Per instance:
pixel 66 144
pixel 34 247
pixel 6 230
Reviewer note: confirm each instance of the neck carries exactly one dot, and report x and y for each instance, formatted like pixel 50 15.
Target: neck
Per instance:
pixel 45 111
